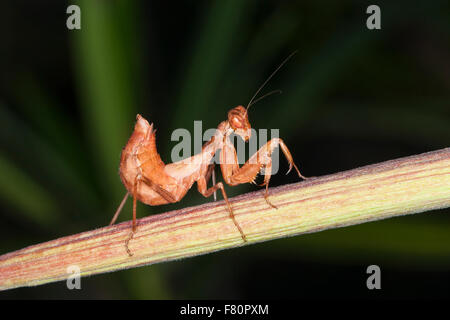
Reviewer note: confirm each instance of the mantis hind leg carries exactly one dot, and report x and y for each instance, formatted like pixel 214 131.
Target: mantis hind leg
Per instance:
pixel 157 188
pixel 124 200
pixel 119 209
pixel 133 229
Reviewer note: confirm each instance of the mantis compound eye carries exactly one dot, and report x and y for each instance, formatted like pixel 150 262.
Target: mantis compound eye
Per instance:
pixel 236 123
pixel 237 118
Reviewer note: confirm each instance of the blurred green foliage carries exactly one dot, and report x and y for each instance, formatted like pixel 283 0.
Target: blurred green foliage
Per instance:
pixel 351 97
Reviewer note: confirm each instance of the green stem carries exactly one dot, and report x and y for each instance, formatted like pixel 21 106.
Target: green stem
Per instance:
pixel 397 187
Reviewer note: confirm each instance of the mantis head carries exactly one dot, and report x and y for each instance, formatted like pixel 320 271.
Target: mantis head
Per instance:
pixel 238 116
pixel 238 120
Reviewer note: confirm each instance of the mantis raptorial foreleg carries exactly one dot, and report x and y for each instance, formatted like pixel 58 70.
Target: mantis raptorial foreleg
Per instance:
pixel 234 175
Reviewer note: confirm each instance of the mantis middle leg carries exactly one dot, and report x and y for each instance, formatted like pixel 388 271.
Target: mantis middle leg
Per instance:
pixel 203 189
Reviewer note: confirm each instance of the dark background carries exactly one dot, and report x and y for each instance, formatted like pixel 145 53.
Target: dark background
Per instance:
pixel 351 97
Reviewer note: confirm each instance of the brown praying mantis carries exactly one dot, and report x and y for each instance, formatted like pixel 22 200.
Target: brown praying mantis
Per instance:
pixel 148 179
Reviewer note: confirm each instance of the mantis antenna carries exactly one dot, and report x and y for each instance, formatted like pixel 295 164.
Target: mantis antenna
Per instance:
pixel 264 96
pixel 268 79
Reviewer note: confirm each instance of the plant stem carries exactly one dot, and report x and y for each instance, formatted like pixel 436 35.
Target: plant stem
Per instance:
pixel 397 187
